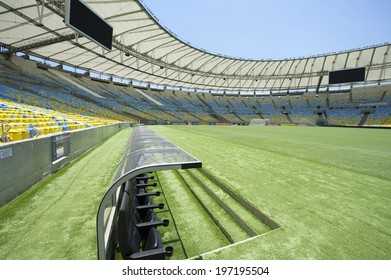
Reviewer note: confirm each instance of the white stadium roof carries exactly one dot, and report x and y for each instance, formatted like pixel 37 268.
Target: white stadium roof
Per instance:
pixel 143 50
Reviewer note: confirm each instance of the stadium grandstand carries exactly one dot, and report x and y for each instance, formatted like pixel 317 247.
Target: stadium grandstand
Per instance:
pixel 64 96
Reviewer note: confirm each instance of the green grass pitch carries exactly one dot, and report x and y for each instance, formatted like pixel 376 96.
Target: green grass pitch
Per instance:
pixel 328 189
pixel 56 218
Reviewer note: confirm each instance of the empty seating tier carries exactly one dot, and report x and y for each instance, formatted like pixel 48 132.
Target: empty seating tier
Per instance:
pixel 93 102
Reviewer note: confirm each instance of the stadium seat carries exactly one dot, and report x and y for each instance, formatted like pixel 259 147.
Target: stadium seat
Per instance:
pixel 146 220
pixel 33 132
pixel 143 202
pixel 144 178
pixel 15 134
pixel 140 193
pixel 25 133
pixel 139 190
pixel 131 242
pixel 143 215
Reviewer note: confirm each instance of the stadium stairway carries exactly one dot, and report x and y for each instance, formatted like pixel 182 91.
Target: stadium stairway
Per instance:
pixel 363 119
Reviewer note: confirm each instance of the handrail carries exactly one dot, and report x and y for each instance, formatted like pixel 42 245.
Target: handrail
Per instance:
pixel 4 133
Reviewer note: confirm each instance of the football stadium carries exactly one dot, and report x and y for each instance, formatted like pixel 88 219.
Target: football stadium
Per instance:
pixel 121 141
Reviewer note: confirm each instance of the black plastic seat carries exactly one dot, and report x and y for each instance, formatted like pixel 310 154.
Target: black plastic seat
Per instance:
pixel 143 178
pixel 143 204
pixel 133 245
pixel 149 216
pixel 139 190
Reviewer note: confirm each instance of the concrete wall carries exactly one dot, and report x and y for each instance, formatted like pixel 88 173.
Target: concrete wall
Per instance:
pixel 25 163
pixel 23 63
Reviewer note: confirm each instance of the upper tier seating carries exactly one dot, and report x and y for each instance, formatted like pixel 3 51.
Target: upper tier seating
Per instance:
pixel 105 101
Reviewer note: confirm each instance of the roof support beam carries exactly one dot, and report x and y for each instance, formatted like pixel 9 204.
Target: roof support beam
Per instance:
pixel 40 7
pixel 382 71
pixel 44 42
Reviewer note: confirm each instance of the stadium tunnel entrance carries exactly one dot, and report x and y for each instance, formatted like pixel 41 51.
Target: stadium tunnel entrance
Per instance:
pixel 125 215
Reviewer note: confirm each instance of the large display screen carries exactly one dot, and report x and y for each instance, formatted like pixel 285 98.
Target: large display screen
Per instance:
pixel 82 19
pixel 347 76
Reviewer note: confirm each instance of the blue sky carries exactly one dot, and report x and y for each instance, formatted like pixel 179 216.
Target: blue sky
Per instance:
pixel 276 29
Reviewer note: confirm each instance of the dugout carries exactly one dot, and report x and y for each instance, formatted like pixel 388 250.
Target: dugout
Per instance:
pixel 146 151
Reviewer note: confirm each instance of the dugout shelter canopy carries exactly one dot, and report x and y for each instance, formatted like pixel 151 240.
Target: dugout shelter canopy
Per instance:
pixel 146 51
pixel 146 151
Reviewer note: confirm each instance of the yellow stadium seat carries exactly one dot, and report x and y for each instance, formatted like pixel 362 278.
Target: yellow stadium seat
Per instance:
pixel 21 125
pixel 45 130
pixel 25 133
pixel 15 134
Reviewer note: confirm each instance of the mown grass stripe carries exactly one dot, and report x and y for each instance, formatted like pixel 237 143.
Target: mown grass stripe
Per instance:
pixel 236 232
pixel 172 217
pixel 198 231
pixel 239 221
pixel 215 220
pixel 249 218
pixel 266 220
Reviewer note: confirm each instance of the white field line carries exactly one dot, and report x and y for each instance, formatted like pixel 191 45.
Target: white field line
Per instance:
pixel 359 150
pixel 334 147
pixel 236 243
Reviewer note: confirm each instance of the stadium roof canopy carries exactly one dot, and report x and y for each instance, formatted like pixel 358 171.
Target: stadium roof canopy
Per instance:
pixel 144 50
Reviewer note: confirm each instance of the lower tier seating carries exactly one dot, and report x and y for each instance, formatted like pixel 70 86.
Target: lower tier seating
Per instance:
pixel 21 121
